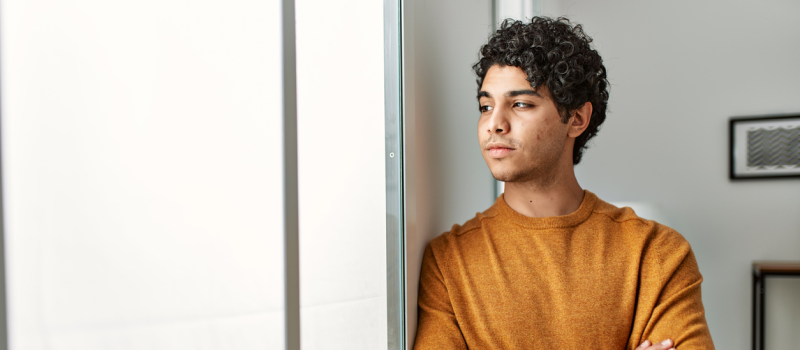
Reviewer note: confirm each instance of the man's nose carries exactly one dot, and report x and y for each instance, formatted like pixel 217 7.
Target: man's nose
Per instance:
pixel 498 122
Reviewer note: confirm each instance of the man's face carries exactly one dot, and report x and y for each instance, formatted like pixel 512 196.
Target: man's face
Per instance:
pixel 520 131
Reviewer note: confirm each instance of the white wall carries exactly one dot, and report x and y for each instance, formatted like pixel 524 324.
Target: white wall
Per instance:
pixel 342 187
pixel 678 71
pixel 142 181
pixel 447 180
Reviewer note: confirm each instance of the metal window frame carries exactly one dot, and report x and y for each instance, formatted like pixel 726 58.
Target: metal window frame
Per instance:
pixel 3 296
pixel 394 157
pixel 395 238
pixel 3 292
pixel 290 194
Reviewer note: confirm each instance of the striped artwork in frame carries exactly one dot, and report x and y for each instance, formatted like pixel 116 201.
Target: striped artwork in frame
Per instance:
pixel 765 147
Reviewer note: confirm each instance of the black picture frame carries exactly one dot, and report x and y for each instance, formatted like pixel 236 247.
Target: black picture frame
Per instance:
pixel 738 170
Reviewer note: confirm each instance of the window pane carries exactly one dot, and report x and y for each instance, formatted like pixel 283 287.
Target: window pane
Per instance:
pixel 342 186
pixel 142 174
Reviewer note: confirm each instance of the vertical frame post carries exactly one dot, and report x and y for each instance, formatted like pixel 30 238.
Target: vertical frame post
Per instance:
pixel 3 299
pixel 290 202
pixel 395 238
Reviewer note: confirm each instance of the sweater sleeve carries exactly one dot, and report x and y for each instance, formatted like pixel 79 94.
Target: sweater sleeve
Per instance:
pixel 437 327
pixel 678 313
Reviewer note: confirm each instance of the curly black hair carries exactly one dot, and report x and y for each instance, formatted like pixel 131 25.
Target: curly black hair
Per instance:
pixel 557 54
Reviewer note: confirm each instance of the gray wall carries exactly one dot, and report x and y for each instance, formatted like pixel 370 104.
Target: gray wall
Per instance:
pixel 678 71
pixel 447 181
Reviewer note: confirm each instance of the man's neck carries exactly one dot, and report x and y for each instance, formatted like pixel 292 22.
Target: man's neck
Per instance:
pixel 536 198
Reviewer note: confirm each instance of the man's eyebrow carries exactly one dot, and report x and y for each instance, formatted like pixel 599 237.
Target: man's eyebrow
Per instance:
pixel 522 92
pixel 513 93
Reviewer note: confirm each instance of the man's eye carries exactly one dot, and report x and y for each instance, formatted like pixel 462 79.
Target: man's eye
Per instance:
pixel 522 104
pixel 486 108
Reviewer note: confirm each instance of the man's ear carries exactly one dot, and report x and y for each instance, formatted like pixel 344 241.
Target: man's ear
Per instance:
pixel 580 120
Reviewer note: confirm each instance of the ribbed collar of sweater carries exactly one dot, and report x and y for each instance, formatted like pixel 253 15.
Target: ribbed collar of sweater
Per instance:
pixel 503 211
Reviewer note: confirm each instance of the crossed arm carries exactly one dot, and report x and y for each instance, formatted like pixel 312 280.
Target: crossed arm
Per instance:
pixel 678 315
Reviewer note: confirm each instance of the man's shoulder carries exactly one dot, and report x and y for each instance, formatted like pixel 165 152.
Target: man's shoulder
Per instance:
pixel 631 223
pixel 459 231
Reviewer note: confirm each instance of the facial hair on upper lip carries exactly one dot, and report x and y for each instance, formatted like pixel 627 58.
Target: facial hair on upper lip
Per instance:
pixel 511 142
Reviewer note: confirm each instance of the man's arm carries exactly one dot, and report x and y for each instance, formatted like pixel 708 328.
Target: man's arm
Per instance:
pixel 437 327
pixel 678 313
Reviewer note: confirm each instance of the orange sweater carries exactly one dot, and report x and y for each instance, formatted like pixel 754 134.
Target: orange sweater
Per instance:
pixel 600 277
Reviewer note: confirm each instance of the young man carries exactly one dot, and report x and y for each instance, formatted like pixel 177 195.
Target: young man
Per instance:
pixel 550 265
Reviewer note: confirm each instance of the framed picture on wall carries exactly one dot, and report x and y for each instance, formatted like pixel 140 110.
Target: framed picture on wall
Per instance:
pixel 765 147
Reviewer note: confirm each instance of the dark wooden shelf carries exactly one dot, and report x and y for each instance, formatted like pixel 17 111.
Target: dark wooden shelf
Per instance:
pixel 761 270
pixel 776 267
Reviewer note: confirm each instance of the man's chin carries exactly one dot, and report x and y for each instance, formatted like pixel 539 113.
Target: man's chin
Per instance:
pixel 506 176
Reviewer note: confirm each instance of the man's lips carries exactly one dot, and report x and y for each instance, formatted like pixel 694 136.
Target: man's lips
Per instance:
pixel 499 152
pixel 499 149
